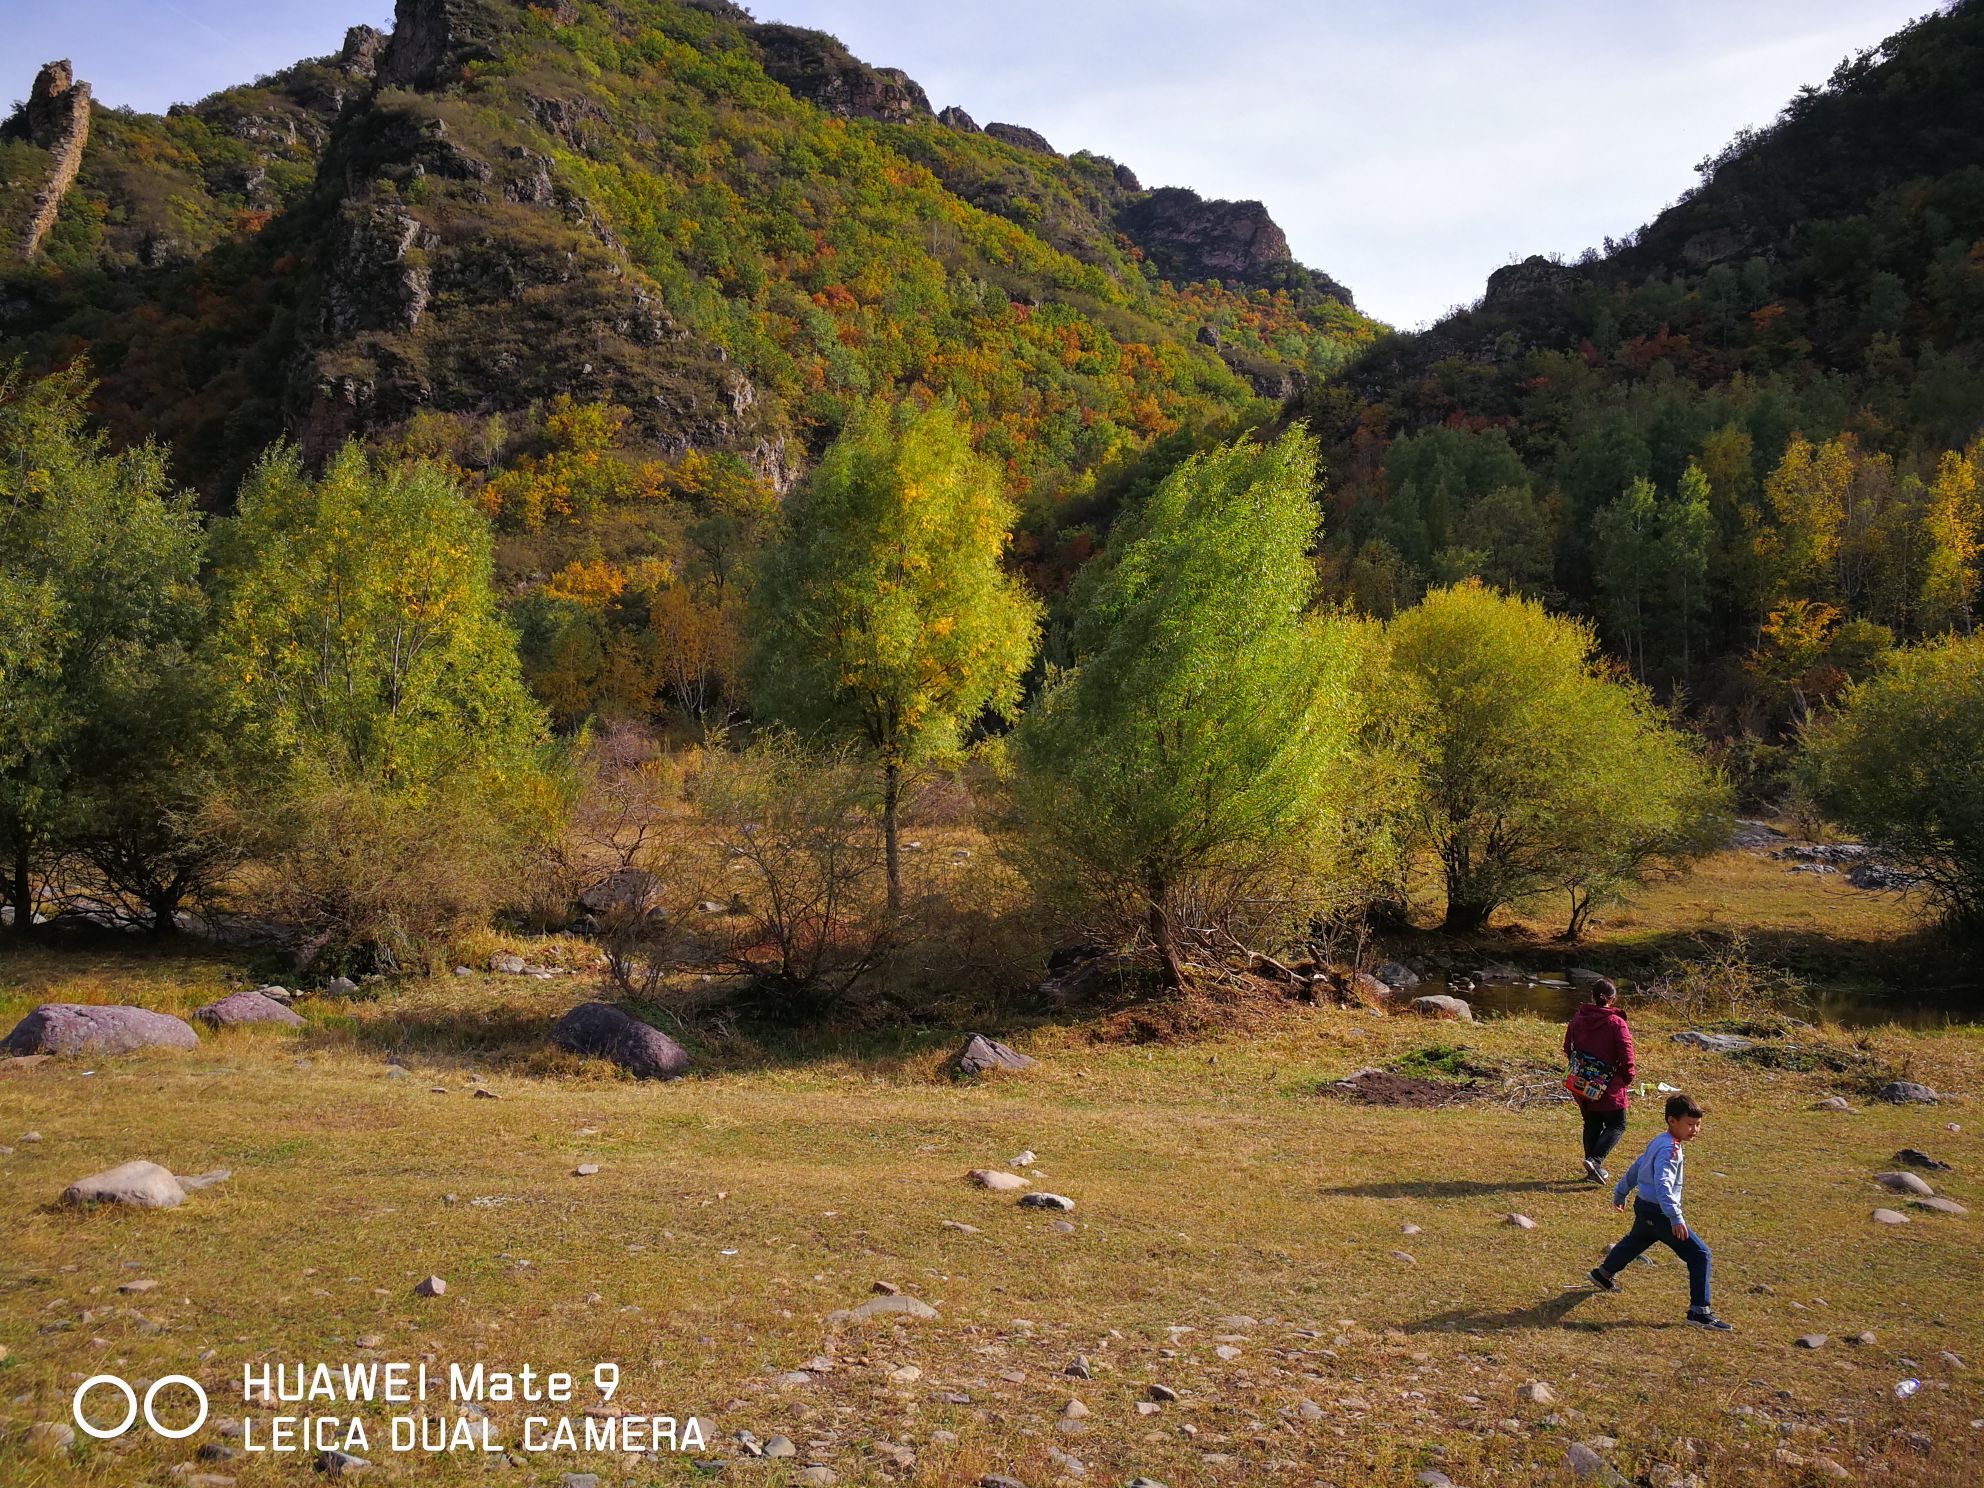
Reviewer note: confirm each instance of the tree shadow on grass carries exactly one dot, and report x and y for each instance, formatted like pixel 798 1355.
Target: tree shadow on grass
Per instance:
pixel 1453 1188
pixel 1551 1312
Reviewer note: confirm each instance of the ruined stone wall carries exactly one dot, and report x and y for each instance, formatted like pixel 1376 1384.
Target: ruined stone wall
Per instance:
pixel 58 119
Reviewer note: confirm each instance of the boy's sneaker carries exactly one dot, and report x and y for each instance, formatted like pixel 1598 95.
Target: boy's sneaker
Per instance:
pixel 1603 1282
pixel 1707 1319
pixel 1595 1172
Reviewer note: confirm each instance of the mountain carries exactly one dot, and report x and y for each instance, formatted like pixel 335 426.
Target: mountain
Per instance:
pixel 728 229
pixel 1814 305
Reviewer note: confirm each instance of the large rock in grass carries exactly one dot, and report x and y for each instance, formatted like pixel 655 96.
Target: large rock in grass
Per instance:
pixel 980 1054
pixel 85 1028
pixel 246 1007
pixel 1443 1006
pixel 602 1031
pixel 142 1185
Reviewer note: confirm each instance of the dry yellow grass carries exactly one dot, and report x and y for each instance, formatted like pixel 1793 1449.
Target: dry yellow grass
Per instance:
pixel 735 1210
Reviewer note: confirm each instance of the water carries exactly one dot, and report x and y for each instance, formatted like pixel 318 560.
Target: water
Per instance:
pixel 1550 996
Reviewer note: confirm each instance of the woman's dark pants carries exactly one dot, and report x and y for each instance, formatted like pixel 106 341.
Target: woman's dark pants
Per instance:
pixel 1602 1130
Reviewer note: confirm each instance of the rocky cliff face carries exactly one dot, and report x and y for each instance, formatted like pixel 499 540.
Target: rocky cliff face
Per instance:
pixel 1189 238
pixel 57 118
pixel 820 70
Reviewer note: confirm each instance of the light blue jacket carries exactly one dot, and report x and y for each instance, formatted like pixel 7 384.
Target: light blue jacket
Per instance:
pixel 1656 1173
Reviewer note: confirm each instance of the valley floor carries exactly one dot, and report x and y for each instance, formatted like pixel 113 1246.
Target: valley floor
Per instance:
pixel 1238 1238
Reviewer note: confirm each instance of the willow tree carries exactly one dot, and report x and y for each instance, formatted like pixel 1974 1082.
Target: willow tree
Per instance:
pixel 884 617
pixel 1197 741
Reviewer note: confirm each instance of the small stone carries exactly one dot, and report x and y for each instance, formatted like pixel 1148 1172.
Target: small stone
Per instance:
pixel 371 1340
pixel 1442 1006
pixel 1536 1392
pixel 137 1286
pixel 874 1307
pixel 1834 1103
pixel 1588 1467
pixel 142 1185
pixel 1148 1407
pixel 1046 1201
pixel 578 1480
pixel 340 986
pixel 997 1179
pixel 1061 1227
pixel 464 971
pixel 1890 1217
pixel 816 1476
pixel 1519 1221
pixel 1227 1352
pixel 1903 1092
pixel 506 963
pixel 340 1464
pixel 1074 1410
pixel 1081 1368
pixel 1308 1410
pixel 1403 1258
pixel 432 1286
pixel 1812 1341
pixel 1936 1204
pixel 1162 1392
pixel 1409 1229
pixel 999 1480
pixel 483 1092
pixel 585 1170
pixel 793 1377
pixel 887 1289
pixel 960 1227
pixel 29 1136
pixel 1432 1477
pixel 1908 1157
pixel 780 1446
pixel 908 1374
pixel 1025 1159
pixel 1859 1340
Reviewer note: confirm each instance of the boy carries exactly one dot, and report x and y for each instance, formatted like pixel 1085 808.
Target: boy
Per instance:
pixel 1657 1174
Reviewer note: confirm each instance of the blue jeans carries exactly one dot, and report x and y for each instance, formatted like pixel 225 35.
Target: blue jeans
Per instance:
pixel 1652 1226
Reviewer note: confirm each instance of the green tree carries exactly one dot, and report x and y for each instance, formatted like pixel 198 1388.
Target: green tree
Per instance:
pixel 358 625
pixel 1626 543
pixel 1954 526
pixel 1535 770
pixel 883 616
pixel 99 606
pixel 1901 762
pixel 1199 739
pixel 402 775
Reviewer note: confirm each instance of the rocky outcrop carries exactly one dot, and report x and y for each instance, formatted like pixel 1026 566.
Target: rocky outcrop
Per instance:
pixel 57 118
pixel 433 40
pixel 1535 290
pixel 1189 238
pixel 956 118
pixel 817 68
pixel 376 278
pixel 1019 138
pixel 362 49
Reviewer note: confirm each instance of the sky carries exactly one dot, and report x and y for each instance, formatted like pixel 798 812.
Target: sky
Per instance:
pixel 1407 147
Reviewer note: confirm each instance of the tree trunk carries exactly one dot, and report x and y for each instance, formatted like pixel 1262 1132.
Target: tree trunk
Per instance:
pixel 891 849
pixel 1580 916
pixel 1465 916
pixel 21 892
pixel 164 907
pixel 1159 924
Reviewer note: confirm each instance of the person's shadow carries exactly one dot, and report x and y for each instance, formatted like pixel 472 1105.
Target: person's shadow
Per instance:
pixel 1551 1312
pixel 1454 1188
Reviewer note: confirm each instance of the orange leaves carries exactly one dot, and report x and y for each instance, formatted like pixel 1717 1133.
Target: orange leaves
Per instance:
pixel 594 583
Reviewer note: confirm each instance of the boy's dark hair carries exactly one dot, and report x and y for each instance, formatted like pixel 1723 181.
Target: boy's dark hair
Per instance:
pixel 1681 1105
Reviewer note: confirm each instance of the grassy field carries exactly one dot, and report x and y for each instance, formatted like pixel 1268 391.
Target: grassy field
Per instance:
pixel 1238 1236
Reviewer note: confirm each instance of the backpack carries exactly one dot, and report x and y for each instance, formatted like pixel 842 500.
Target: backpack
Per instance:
pixel 1588 1077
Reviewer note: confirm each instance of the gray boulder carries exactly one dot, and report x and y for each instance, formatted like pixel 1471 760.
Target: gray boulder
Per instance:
pixel 980 1054
pixel 246 1007
pixel 1714 1043
pixel 85 1028
pixel 1901 1092
pixel 602 1031
pixel 1396 975
pixel 1443 1006
pixel 142 1185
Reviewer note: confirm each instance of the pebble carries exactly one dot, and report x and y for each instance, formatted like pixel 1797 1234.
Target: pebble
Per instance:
pixel 1520 1221
pixel 961 1227
pixel 1025 1159
pixel 1834 1103
pixel 1081 1368
pixel 1403 1258
pixel 1936 1204
pixel 1162 1392
pixel 1074 1410
pixel 1859 1340
pixel 1046 1201
pixel 1812 1341
pixel 578 1480
pixel 909 1374
pixel 999 1480
pixel 432 1286
pixel 1536 1392
pixel 51 1438
pixel 887 1289
pixel 585 1170
pixel 1227 1352
pixel 1308 1410
pixel 137 1286
pixel 1890 1217
pixel 338 1464
pixel 29 1136
pixel 1432 1477
pixel 1410 1229
pixel 1588 1467
pixel 780 1446
pixel 370 1340
pixel 816 1475
pixel 483 1092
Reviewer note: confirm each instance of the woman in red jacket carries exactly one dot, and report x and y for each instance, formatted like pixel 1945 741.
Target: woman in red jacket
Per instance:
pixel 1599 1046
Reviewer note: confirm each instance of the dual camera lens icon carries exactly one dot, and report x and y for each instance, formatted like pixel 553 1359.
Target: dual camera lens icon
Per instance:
pixel 123 1387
